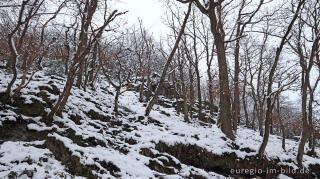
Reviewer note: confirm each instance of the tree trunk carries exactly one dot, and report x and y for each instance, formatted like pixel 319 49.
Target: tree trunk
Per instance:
pixel 191 91
pixel 86 75
pixel 210 86
pixel 224 104
pixel 267 127
pixel 92 66
pixel 141 90
pixel 24 63
pixel 254 116
pixel 66 65
pixel 200 115
pixel 304 118
pixel 149 86
pixel 224 119
pixel 65 99
pixel 281 123
pixel 236 92
pixel 271 126
pixel 13 67
pixel 244 101
pixel 116 101
pixel 283 134
pixel 260 120
pixel 175 88
pixel 184 94
pixel 67 48
pixel 310 120
pixel 57 109
pixel 79 77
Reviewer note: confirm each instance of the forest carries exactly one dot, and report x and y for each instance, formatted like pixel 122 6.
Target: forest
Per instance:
pixel 229 90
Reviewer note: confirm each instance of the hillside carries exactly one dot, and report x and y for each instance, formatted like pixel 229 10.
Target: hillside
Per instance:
pixel 89 141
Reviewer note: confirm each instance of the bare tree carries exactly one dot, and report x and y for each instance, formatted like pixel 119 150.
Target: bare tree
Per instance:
pixel 214 10
pixel 308 21
pixel 24 17
pixel 180 60
pixel 270 80
pixel 170 58
pixel 39 52
pixel 209 50
pixel 243 20
pixel 86 41
pixel 115 65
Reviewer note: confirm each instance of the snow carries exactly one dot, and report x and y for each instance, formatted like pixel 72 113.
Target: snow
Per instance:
pixel 171 130
pixel 21 156
pixel 38 128
pixel 281 176
pixel 128 163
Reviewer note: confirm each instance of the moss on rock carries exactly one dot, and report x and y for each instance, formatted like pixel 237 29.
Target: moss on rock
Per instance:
pixel 33 110
pixel 95 115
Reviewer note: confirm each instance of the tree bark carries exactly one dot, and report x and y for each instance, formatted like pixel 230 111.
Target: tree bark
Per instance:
pixel 244 100
pixel 224 104
pixel 116 101
pixel 254 116
pixel 283 144
pixel 184 94
pixel 315 48
pixel 224 119
pixel 305 132
pixel 210 86
pixel 141 90
pixel 79 76
pixel 200 115
pixel 236 94
pixel 191 91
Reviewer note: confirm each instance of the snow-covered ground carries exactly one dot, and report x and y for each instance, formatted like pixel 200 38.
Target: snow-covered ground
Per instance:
pixel 23 160
pixel 113 133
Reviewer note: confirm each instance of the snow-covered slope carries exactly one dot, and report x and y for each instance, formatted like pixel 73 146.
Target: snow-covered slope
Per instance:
pixel 90 141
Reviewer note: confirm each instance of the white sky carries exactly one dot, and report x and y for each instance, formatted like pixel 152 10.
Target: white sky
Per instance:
pixel 149 11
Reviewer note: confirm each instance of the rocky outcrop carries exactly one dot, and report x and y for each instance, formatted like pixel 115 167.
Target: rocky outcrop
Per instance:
pixel 18 131
pixel 230 165
pixel 62 153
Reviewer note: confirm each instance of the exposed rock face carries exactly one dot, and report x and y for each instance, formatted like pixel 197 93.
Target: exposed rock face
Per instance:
pixel 52 89
pixel 161 162
pixel 94 115
pixel 228 164
pixel 33 110
pixel 18 131
pixel 63 154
